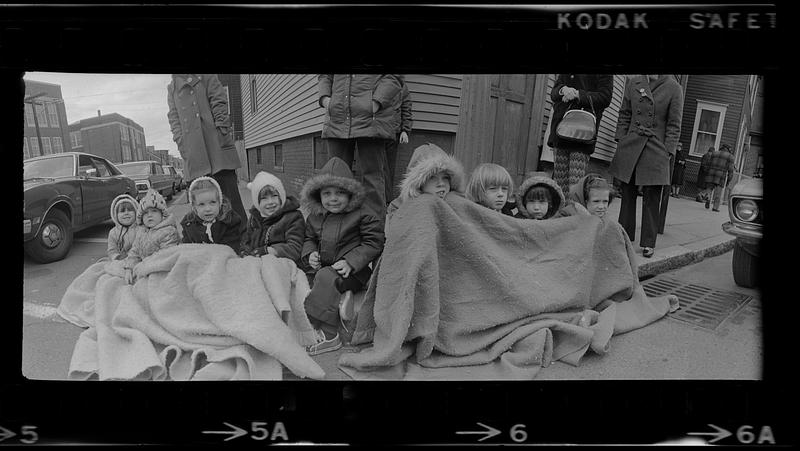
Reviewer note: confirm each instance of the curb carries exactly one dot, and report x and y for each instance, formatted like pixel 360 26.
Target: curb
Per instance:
pixel 686 256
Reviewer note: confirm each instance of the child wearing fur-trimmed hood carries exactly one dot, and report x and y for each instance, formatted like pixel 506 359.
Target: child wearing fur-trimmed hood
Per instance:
pixel 212 219
pixel 342 237
pixel 431 170
pixel 276 225
pixel 124 211
pixel 540 197
pixel 158 230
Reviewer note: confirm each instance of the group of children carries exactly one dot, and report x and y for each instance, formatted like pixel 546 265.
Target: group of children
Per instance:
pixel 339 241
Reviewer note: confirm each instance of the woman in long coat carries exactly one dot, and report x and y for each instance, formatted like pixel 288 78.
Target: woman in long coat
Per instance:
pixel 200 124
pixel 648 130
pixel 588 92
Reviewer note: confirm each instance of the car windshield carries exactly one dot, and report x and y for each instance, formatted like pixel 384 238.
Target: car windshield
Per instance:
pixel 135 168
pixel 168 170
pixel 48 167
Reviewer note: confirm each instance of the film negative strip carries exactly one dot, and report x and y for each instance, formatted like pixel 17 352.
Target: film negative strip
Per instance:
pixel 483 83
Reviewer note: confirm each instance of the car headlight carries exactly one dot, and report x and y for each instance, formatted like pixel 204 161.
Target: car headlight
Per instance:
pixel 746 210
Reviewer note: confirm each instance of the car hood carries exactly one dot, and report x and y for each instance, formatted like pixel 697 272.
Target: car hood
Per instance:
pixel 748 187
pixel 33 183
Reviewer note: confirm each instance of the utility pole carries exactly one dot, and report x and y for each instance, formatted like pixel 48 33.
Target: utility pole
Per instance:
pixel 30 100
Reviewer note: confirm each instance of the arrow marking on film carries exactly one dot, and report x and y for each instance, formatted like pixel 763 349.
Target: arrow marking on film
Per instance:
pixel 237 431
pixel 5 433
pixel 490 432
pixel 718 435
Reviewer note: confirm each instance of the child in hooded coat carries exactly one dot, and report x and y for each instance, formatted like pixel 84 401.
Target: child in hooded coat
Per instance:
pixel 342 237
pixel 211 219
pixel 543 189
pixel 276 225
pixel 428 161
pixel 124 211
pixel 591 195
pixel 158 230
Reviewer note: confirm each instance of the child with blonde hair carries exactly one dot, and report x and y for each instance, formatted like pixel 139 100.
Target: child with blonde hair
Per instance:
pixel 212 219
pixel 124 211
pixel 491 186
pixel 158 230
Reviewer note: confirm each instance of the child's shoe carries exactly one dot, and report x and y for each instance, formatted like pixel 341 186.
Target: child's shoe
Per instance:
pixel 324 345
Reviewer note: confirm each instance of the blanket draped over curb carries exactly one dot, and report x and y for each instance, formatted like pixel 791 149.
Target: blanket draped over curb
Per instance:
pixel 463 292
pixel 195 312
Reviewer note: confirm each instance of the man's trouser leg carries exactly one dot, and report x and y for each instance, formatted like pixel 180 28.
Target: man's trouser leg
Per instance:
pixel 371 156
pixel 341 148
pixel 627 208
pixel 651 200
pixel 718 190
pixel 229 185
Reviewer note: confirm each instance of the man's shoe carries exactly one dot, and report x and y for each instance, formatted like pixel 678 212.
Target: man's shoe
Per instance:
pixel 324 345
pixel 648 252
pixel 708 203
pixel 715 209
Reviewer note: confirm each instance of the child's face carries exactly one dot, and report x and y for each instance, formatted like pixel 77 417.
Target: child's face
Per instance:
pixel 269 204
pixel 438 184
pixel 597 204
pixel 334 199
pixel 537 209
pixel 495 197
pixel 152 217
pixel 206 204
pixel 126 214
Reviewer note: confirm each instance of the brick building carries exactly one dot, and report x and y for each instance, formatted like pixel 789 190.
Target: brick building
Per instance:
pixel 49 119
pixel 111 136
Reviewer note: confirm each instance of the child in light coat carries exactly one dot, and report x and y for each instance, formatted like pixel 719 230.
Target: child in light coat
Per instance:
pixel 276 225
pixel 342 237
pixel 491 186
pixel 124 211
pixel 212 219
pixel 158 231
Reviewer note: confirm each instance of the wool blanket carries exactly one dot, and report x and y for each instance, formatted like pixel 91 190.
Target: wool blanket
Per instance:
pixel 463 292
pixel 195 312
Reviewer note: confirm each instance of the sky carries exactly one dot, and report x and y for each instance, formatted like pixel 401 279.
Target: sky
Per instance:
pixel 140 97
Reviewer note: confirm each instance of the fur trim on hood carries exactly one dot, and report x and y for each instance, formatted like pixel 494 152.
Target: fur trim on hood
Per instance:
pixel 558 196
pixel 123 198
pixel 263 179
pixel 334 173
pixel 225 207
pixel 427 160
pixel 151 199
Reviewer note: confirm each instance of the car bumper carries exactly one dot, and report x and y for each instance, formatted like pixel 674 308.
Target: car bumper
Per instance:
pixel 747 234
pixel 29 228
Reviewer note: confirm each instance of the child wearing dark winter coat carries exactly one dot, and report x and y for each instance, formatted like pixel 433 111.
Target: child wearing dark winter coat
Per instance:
pixel 431 170
pixel 491 186
pixel 276 225
pixel 540 197
pixel 158 230
pixel 212 219
pixel 342 237
pixel 124 210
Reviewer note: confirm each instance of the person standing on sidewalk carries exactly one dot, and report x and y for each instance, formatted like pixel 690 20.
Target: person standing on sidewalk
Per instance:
pixel 591 93
pixel 648 130
pixel 360 115
pixel 201 127
pixel 701 175
pixel 718 174
pixel 677 171
pixel 405 121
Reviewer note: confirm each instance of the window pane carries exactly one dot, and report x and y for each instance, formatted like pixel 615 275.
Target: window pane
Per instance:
pixel 29 115
pixel 46 149
pixel 41 116
pixel 123 133
pixel 57 147
pixel 25 152
pixel 84 164
pixel 52 112
pixel 102 170
pixel 704 141
pixel 35 147
pixel 709 120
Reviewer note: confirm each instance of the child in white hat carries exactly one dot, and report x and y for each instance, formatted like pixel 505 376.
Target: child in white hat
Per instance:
pixel 158 230
pixel 124 210
pixel 211 220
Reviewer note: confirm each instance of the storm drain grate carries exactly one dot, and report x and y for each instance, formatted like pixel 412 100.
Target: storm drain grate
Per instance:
pixel 701 305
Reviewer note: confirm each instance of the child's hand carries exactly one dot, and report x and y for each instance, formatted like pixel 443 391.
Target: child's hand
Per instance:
pixel 326 101
pixel 403 138
pixel 313 260
pixel 270 250
pixel 343 268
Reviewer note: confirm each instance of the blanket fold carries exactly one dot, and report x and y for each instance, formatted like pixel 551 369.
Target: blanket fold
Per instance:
pixel 195 312
pixel 487 296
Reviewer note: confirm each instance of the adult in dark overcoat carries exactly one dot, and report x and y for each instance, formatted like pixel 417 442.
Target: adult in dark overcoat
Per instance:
pixel 648 130
pixel 589 92
pixel 201 127
pixel 360 114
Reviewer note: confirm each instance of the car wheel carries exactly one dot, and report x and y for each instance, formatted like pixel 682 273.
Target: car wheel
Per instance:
pixel 745 266
pixel 54 239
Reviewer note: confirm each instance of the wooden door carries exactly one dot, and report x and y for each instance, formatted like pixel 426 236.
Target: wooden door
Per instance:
pixel 510 99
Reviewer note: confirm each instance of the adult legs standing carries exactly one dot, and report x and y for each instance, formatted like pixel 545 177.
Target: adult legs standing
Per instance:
pixel 651 201
pixel 371 157
pixel 229 185
pixel 391 165
pixel 341 148
pixel 718 190
pixel 627 208
pixel 578 162
pixel 561 168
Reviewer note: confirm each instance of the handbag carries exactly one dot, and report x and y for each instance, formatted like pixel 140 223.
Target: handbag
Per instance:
pixel 578 126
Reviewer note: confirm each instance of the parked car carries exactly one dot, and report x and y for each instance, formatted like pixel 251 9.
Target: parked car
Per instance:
pixel 149 174
pixel 65 193
pixel 183 180
pixel 746 212
pixel 177 180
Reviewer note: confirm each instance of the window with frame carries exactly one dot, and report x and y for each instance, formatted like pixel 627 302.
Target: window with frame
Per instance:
pixel 41 115
pixel 126 152
pixel 319 153
pixel 85 165
pixel 52 113
pixel 707 131
pixel 253 95
pixel 75 139
pixel 35 147
pixel 57 145
pixel 278 153
pixel 123 132
pixel 25 152
pixel 46 148
pixel 258 155
pixel 102 169
pixel 29 115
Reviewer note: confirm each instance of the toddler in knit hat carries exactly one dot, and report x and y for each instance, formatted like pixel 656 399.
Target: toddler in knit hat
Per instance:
pixel 211 220
pixel 158 230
